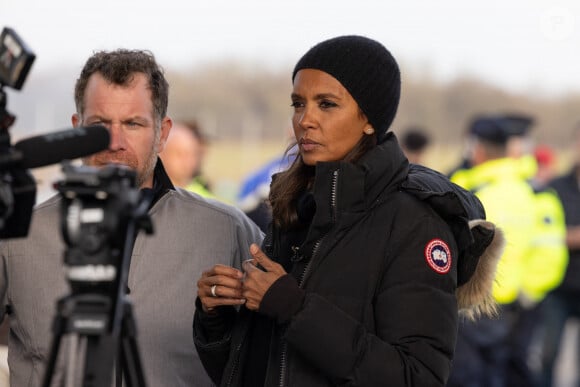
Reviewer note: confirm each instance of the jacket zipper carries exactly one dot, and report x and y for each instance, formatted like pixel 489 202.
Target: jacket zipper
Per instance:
pixel 237 356
pixel 235 364
pixel 283 357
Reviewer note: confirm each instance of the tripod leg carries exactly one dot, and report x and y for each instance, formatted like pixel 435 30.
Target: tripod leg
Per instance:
pixel 99 362
pixel 75 346
pixel 58 328
pixel 130 358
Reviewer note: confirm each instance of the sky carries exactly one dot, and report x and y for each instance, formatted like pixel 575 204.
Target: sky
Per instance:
pixel 520 45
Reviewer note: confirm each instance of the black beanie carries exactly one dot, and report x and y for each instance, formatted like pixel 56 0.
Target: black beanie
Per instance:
pixel 366 69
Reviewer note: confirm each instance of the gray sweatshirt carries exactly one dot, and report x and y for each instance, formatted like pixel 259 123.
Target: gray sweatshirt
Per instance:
pixel 191 234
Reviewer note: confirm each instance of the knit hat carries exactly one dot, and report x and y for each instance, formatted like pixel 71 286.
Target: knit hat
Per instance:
pixel 366 69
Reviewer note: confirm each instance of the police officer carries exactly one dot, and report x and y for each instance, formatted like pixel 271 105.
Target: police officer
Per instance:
pixel 546 263
pixel 484 347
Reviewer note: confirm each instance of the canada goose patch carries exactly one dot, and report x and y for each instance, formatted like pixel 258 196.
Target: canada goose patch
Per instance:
pixel 438 256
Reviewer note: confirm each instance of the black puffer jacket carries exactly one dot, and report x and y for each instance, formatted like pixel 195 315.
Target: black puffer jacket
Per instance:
pixel 379 273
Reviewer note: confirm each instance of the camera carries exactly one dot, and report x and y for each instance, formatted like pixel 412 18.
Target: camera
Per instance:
pixel 17 186
pixel 101 208
pixel 102 211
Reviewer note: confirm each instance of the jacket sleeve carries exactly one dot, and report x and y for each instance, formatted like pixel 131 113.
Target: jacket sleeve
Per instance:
pixel 212 339
pixel 414 313
pixel 247 232
pixel 212 334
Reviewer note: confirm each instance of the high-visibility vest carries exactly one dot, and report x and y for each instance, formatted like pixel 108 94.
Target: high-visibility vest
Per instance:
pixel 546 265
pixel 509 203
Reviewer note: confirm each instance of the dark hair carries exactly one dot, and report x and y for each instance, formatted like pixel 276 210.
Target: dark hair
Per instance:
pixel 415 139
pixel 288 185
pixel 119 67
pixel 195 130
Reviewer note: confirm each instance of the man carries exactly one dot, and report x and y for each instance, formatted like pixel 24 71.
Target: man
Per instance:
pixel 546 262
pixel 414 143
pixel 547 165
pixel 184 155
pixel 562 303
pixel 253 195
pixel 127 92
pixel 484 348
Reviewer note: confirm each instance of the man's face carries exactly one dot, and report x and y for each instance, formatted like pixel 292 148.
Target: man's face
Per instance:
pixel 127 111
pixel 182 156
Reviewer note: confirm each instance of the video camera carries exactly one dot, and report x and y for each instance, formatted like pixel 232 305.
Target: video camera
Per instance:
pixel 99 205
pixel 102 210
pixel 17 186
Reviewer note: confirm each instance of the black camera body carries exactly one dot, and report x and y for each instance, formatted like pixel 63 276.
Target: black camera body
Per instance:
pixel 99 207
pixel 17 186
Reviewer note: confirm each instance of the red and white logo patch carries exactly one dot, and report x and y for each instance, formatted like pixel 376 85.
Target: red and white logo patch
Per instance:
pixel 438 256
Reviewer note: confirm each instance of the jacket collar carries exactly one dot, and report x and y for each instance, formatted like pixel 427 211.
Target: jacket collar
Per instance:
pixel 161 183
pixel 358 187
pixel 343 191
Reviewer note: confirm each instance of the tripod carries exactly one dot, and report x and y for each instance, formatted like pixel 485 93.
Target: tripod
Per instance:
pixel 85 315
pixel 100 223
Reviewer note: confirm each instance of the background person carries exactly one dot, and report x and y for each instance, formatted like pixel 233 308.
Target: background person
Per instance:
pixel 546 262
pixel 414 142
pixel 484 349
pixel 184 155
pixel 547 166
pixel 561 305
pixel 126 91
pixel 255 188
pixel 358 264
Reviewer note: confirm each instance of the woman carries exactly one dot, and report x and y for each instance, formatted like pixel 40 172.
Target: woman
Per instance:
pixel 360 268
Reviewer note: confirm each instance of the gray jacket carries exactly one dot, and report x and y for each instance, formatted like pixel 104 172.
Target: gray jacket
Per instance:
pixel 191 234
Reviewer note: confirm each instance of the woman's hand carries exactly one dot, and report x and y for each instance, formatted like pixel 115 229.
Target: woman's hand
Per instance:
pixel 221 285
pixel 257 282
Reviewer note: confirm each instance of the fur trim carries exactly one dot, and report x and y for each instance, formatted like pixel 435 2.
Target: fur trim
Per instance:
pixel 475 297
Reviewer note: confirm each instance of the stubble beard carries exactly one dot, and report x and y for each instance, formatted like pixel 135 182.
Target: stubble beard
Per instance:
pixel 148 169
pixel 108 157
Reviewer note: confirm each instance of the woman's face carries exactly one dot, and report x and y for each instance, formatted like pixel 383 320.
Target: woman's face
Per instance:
pixel 327 121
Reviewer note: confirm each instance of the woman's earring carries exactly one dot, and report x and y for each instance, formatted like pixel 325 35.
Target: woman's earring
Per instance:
pixel 369 130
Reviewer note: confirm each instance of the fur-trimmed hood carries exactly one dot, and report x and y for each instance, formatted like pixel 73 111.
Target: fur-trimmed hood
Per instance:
pixel 480 242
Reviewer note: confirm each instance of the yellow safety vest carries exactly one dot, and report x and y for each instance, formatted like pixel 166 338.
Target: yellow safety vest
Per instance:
pixel 546 265
pixel 197 187
pixel 509 203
